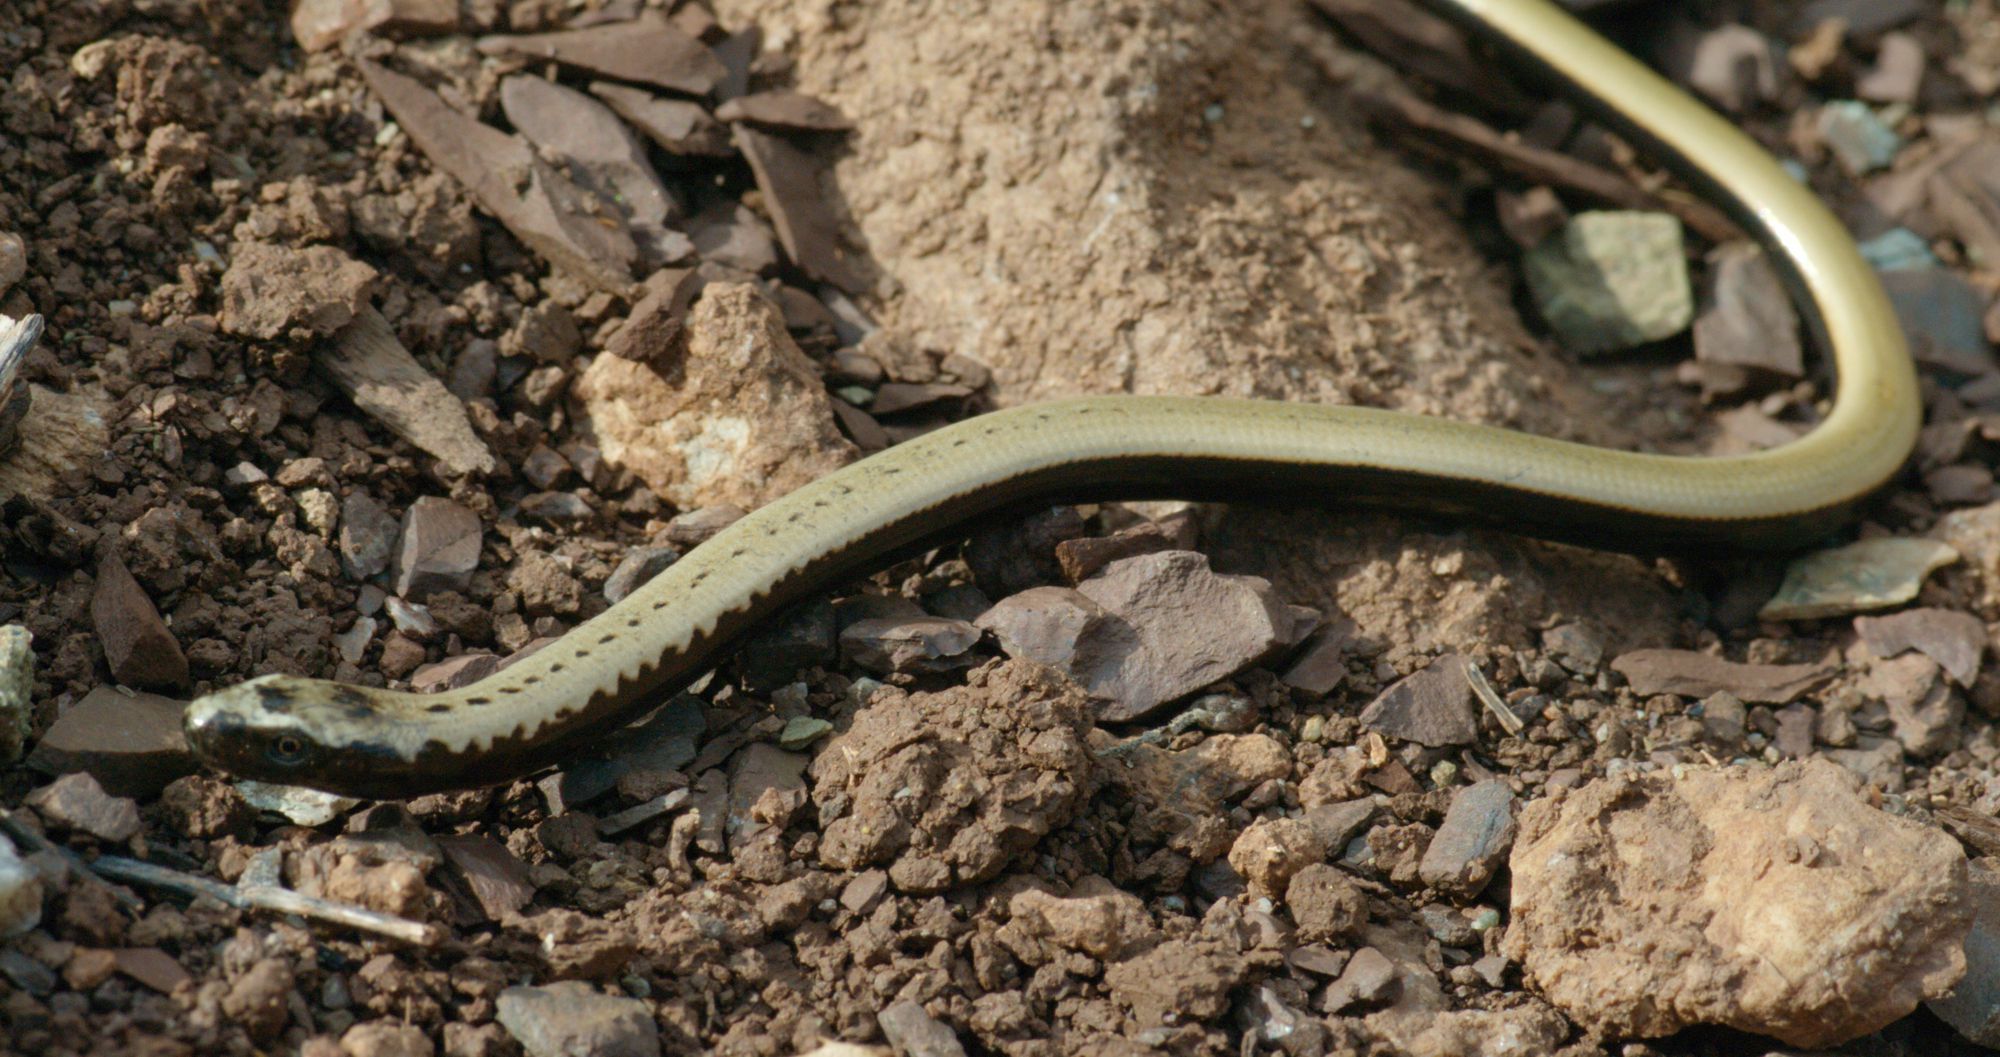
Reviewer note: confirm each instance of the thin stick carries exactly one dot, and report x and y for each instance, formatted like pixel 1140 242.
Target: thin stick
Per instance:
pixel 1483 690
pixel 269 897
pixel 1405 113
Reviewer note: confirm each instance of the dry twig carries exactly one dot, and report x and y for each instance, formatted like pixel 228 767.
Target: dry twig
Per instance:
pixel 1404 113
pixel 269 897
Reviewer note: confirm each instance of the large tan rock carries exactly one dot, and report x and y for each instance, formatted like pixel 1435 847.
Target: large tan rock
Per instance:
pixel 1772 901
pixel 1096 917
pixel 947 788
pixel 740 418
pixel 283 291
pixel 1048 186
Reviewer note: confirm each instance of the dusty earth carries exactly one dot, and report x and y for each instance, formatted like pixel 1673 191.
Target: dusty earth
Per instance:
pixel 1039 199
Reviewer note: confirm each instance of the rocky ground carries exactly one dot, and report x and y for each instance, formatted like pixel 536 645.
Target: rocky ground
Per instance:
pixel 387 341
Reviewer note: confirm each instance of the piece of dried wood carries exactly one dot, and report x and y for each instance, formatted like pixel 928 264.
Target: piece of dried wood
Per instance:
pixel 268 897
pixel 376 372
pixel 1405 114
pixel 52 434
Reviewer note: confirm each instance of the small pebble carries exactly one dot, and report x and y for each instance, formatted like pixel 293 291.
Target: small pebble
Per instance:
pixel 1871 574
pixel 1898 249
pixel 1860 140
pixel 1612 281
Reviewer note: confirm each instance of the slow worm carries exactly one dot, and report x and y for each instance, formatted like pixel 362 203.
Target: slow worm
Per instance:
pixel 385 744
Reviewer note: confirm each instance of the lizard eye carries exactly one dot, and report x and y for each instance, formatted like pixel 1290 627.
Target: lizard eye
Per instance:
pixel 287 749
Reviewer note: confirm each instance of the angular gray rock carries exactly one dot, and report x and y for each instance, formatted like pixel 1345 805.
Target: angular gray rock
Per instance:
pixel 1057 626
pixel 77 802
pixel 915 1033
pixel 367 535
pixel 1611 281
pixel 1973 1004
pixel 1475 838
pixel 1369 978
pixel 1430 707
pixel 439 548
pixel 910 645
pixel 1954 639
pixel 638 566
pixel 1148 629
pixel 573 1019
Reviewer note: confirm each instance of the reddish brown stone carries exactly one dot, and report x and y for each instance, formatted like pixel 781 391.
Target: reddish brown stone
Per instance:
pixel 439 548
pixel 1747 323
pixel 647 50
pixel 678 126
pixel 603 156
pixel 1430 707
pixel 1082 558
pixel 153 967
pixel 320 24
pixel 1321 664
pixel 454 672
pixel 1960 483
pixel 498 881
pixel 1965 195
pixel 903 396
pixel 1953 639
pixel 791 181
pixel 861 427
pixel 1692 674
pixel 540 206
pixel 651 332
pixel 785 109
pixel 77 802
pixel 131 743
pixel 137 645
